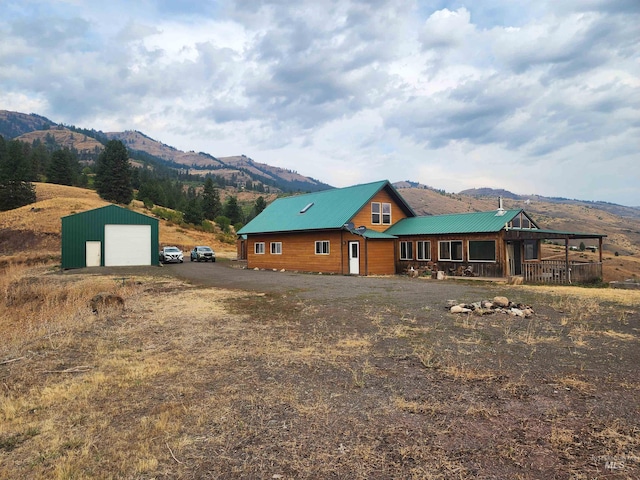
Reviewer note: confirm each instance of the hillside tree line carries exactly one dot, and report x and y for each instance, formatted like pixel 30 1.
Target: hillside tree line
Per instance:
pixel 116 180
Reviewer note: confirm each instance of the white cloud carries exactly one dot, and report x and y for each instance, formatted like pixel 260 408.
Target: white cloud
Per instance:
pixel 500 94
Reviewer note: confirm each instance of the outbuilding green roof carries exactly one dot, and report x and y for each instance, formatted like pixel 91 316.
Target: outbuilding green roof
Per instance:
pixel 473 222
pixel 327 209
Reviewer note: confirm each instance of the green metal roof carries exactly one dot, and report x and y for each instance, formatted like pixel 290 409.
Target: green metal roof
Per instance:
pixel 375 235
pixel 327 209
pixel 474 222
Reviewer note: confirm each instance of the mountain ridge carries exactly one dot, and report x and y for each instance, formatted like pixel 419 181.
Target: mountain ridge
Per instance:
pixel 620 223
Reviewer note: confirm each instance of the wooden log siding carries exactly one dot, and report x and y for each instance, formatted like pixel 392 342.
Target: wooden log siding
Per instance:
pixel 555 272
pixel 378 256
pixel 363 217
pixel 298 252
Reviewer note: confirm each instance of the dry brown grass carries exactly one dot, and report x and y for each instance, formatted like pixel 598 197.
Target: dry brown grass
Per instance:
pixel 193 382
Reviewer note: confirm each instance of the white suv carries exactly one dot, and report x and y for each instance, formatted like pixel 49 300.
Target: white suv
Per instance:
pixel 171 254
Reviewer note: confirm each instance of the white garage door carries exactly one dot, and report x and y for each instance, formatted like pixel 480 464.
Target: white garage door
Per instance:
pixel 127 245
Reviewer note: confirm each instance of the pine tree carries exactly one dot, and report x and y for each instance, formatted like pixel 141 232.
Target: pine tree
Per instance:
pixel 113 173
pixel 193 212
pixel 259 205
pixel 232 210
pixel 16 188
pixel 60 169
pixel 211 205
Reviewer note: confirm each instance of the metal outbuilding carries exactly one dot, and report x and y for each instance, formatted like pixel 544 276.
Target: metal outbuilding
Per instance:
pixel 109 236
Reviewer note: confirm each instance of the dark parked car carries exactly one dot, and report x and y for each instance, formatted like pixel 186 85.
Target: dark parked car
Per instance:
pixel 203 254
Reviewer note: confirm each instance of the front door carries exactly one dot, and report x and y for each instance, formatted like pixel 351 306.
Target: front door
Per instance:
pixel 354 258
pixel 514 255
pixel 93 254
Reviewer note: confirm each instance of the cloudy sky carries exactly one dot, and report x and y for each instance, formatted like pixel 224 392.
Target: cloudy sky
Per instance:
pixel 531 96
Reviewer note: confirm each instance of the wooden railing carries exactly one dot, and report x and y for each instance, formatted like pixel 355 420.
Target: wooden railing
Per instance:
pixel 555 271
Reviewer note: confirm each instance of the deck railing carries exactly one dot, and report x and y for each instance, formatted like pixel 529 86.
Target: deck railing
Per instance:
pixel 555 271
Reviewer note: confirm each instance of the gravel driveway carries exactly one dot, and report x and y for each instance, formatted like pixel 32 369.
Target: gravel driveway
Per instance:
pixel 403 290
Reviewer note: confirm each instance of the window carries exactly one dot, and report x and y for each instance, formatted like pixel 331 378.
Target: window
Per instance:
pixel 450 250
pixel 522 221
pixel 322 247
pixel 406 250
pixel 375 212
pixel 482 250
pixel 276 248
pixel 386 213
pixel 424 250
pixel 258 248
pixel 380 213
pixel 530 249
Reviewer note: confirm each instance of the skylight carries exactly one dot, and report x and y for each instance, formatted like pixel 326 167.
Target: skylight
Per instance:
pixel 307 207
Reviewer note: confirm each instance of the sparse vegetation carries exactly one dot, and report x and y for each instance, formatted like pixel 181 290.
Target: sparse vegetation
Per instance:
pixel 193 382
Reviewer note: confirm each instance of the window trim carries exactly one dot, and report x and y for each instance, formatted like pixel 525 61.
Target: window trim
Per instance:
pixel 424 250
pixel 408 251
pixel 256 248
pixel 495 253
pixel 451 250
pixel 383 214
pixel 321 250
pixel 275 246
pixel 378 213
pixel 536 250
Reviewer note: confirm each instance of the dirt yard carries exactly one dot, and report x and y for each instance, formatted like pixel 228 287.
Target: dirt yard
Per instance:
pixel 218 372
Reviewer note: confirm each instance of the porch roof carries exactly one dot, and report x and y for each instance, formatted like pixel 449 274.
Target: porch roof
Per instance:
pixel 515 233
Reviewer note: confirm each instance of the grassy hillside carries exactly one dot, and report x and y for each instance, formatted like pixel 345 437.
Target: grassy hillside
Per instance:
pixel 32 233
pixel 64 137
pixel 138 141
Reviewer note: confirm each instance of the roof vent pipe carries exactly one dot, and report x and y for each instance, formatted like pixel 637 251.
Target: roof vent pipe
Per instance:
pixel 500 203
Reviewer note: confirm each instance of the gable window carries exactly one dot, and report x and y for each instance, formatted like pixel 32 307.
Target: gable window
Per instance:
pixel 482 250
pixel 276 248
pixel 375 213
pixel 423 250
pixel 258 248
pixel 450 250
pixel 406 250
pixel 386 214
pixel 530 249
pixel 322 247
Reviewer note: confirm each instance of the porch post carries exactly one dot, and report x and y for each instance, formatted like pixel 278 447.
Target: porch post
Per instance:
pixel 567 277
pixel 600 248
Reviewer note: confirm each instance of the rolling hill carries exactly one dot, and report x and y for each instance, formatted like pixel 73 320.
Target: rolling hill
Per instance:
pixel 33 233
pixel 620 223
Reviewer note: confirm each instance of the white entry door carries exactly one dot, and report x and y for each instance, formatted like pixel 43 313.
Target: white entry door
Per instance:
pixel 354 258
pixel 93 254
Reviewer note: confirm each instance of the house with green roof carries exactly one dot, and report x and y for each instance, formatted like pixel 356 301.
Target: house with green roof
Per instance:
pixel 341 230
pixel 370 229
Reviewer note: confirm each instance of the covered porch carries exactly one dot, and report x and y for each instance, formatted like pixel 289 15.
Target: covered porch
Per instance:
pixel 550 271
